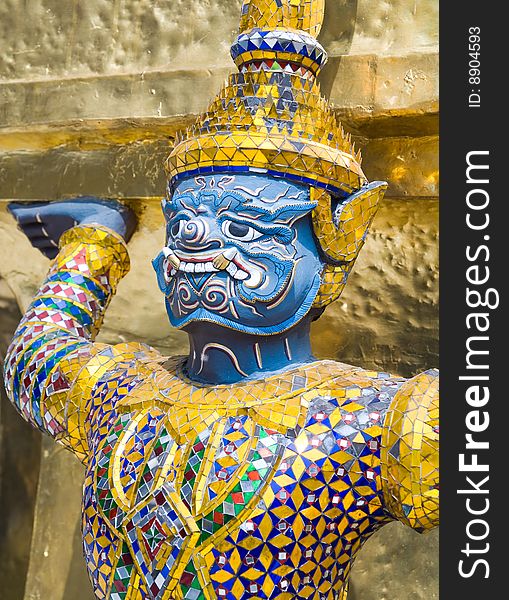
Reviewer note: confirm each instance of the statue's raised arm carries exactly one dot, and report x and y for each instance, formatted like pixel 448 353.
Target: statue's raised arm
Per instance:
pixel 55 339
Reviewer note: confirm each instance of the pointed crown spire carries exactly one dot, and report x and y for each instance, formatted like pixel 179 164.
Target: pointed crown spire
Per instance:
pixel 301 15
pixel 270 116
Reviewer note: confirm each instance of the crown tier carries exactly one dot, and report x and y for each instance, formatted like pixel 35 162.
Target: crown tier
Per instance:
pixel 270 117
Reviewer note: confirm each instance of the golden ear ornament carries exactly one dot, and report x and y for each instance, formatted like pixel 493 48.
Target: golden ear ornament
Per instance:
pixel 341 231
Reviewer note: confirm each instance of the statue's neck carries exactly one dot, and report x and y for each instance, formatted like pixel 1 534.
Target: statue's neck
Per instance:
pixel 218 355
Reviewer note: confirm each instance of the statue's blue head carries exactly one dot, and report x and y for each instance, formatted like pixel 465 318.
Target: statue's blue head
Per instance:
pixel 239 253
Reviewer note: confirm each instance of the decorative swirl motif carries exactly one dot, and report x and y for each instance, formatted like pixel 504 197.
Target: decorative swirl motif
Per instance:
pixel 194 231
pixel 216 297
pixel 185 298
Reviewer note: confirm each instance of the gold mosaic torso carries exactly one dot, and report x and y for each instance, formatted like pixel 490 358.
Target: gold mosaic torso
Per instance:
pixel 255 482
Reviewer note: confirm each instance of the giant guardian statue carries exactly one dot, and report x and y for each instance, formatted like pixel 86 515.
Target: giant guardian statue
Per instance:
pixel 247 469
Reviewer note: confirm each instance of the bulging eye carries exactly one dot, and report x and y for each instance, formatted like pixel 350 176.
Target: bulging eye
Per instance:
pixel 240 231
pixel 176 228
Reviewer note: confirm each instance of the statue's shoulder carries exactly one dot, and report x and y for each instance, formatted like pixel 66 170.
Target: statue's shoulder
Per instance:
pixel 349 381
pixel 153 376
pixel 410 452
pixel 350 387
pixel 111 371
pixel 349 399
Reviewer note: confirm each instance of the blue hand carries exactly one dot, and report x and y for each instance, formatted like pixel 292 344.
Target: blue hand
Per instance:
pixel 44 222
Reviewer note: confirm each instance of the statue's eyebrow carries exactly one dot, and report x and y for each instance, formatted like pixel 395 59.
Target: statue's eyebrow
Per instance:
pixel 256 212
pixel 252 208
pixel 179 202
pixel 273 211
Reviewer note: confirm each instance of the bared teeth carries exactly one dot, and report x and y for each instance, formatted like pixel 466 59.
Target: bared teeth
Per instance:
pixel 232 269
pixel 236 272
pixel 230 253
pixel 171 257
pixel 221 261
pixel 240 274
pixel 174 261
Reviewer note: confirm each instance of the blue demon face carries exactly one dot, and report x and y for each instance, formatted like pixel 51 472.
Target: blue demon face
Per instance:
pixel 239 253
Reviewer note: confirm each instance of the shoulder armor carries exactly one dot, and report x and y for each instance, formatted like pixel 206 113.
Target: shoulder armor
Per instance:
pixel 410 453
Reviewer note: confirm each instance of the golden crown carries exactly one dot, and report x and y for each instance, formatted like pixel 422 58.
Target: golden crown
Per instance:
pixel 271 118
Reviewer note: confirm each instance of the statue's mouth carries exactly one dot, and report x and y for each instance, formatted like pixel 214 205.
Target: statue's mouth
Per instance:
pixel 228 260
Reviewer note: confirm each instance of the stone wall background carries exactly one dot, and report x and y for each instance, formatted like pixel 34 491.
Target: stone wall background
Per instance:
pixel 91 94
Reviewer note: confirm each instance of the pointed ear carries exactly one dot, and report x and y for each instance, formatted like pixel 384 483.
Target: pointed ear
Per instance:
pixel 341 227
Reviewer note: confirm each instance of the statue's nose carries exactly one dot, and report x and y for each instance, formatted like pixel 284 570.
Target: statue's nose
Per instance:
pixel 194 231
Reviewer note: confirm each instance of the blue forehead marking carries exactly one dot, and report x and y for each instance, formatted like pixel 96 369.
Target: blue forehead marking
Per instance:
pixel 268 198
